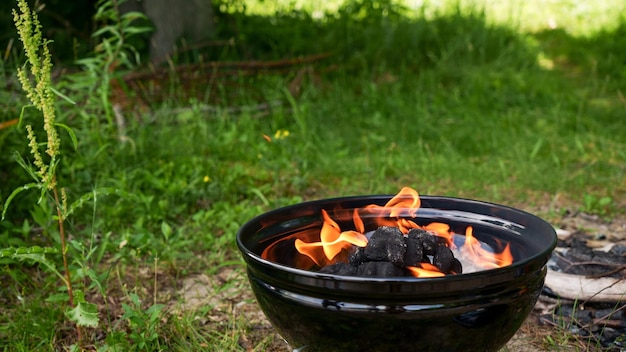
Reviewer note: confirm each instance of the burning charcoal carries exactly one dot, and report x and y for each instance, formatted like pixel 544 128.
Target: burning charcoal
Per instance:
pixel 388 252
pixel 357 257
pixel 386 244
pixel 379 269
pixel 427 239
pixel 414 251
pixel 457 267
pixel 443 258
pixel 339 269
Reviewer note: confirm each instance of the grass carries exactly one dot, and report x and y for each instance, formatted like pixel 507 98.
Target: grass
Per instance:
pixel 449 99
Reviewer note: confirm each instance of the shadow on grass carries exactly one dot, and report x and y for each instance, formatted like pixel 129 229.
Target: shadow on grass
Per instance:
pixel 522 105
pixel 365 35
pixel 602 53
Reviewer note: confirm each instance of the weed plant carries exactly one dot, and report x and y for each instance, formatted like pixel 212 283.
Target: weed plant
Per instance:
pixel 445 99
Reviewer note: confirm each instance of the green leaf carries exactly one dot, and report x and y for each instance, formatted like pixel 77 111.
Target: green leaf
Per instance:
pixel 19 124
pixel 15 192
pixel 258 193
pixel 35 253
pixel 70 132
pixel 108 29
pixel 15 252
pixel 154 311
pixel 536 149
pixel 95 280
pixel 137 30
pixel 84 314
pixel 133 15
pixel 135 299
pixel 79 296
pixel 604 201
pixel 79 246
pixel 63 96
pixel 26 166
pixel 166 230
pixel 102 191
pixel 58 298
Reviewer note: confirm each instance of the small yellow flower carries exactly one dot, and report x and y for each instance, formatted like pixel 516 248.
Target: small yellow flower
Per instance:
pixel 280 134
pixel 206 178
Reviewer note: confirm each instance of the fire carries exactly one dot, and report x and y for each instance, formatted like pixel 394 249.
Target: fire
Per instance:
pixel 483 257
pixel 333 241
pixel 404 204
pixel 425 270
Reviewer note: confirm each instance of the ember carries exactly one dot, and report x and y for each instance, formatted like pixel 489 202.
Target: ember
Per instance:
pixel 397 247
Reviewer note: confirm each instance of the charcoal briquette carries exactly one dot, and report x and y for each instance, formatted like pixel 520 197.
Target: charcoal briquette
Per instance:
pixel 379 269
pixel 457 267
pixel 609 313
pixel 386 244
pixel 339 269
pixel 414 252
pixel 583 316
pixel 357 257
pixel 443 258
pixel 427 240
pixel 565 310
pixel 388 252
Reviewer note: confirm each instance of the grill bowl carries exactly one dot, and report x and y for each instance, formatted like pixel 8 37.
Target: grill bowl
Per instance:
pixel 477 311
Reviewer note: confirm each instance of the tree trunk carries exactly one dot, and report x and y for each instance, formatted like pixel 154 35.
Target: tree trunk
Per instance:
pixel 174 20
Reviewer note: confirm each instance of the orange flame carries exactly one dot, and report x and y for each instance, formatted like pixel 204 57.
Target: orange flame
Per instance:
pixel 405 204
pixel 332 241
pixel 358 222
pixel 425 270
pixel 442 230
pixel 483 257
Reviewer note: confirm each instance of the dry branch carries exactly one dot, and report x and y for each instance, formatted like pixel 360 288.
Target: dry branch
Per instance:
pixel 216 66
pixel 585 289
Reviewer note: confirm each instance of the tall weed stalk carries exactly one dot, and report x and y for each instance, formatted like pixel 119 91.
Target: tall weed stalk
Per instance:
pixel 45 158
pixel 35 78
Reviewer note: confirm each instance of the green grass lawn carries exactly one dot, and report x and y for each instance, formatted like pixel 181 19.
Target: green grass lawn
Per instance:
pixel 522 106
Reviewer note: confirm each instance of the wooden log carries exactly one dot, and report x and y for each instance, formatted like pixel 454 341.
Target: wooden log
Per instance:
pixel 584 289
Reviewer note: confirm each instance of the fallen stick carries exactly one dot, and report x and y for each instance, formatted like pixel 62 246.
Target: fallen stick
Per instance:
pixel 584 289
pixel 215 66
pixel 7 124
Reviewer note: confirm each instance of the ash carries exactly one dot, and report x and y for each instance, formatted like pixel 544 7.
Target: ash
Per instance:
pixel 597 322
